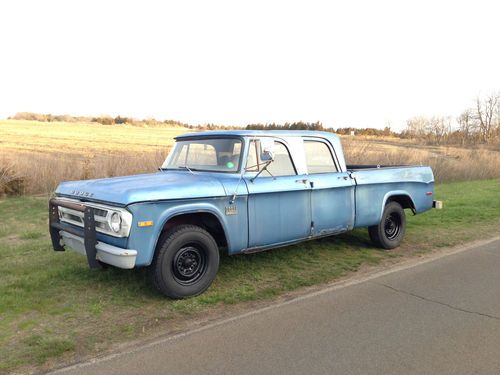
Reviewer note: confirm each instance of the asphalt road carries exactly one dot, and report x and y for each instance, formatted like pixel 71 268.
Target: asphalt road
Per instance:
pixel 441 317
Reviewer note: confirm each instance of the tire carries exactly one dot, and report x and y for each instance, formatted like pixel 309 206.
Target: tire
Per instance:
pixel 185 263
pixel 389 233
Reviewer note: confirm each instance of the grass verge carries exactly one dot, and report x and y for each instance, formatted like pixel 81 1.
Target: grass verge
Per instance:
pixel 53 308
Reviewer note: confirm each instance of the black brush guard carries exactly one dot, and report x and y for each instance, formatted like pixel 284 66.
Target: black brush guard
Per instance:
pixel 88 232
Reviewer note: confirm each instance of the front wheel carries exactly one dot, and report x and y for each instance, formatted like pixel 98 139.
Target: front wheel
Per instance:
pixel 389 233
pixel 186 262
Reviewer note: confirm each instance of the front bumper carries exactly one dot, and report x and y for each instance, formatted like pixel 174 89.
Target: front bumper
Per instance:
pixel 116 256
pixel 84 240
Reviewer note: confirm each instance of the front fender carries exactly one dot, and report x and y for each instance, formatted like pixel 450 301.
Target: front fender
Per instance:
pixel 191 208
pixel 145 239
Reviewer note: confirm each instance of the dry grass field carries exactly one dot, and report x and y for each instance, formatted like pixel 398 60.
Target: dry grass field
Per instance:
pixel 449 164
pixel 82 138
pixel 36 156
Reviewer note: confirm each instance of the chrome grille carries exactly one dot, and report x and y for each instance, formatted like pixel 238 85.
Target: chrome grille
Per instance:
pixel 67 215
pixel 100 212
pixel 102 217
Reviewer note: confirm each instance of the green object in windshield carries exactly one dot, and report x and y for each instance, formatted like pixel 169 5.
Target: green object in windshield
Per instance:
pixel 230 164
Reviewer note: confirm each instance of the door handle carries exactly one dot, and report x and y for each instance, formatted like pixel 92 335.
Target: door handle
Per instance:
pixel 303 181
pixel 343 177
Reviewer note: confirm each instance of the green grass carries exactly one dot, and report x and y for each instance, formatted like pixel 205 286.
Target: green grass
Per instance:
pixel 53 307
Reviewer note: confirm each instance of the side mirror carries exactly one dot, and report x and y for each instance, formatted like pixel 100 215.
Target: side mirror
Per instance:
pixel 267 149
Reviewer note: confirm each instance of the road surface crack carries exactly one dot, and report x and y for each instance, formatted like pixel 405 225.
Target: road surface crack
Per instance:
pixel 438 302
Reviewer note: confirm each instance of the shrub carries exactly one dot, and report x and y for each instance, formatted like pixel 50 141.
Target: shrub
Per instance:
pixel 11 182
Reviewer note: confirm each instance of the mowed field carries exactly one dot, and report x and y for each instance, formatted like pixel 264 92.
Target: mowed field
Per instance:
pixel 44 153
pixel 82 138
pixel 36 156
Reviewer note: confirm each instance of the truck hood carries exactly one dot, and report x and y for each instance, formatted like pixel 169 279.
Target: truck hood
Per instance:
pixel 145 187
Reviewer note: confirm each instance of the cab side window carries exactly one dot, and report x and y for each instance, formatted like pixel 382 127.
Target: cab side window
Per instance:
pixel 253 158
pixel 281 166
pixel 319 159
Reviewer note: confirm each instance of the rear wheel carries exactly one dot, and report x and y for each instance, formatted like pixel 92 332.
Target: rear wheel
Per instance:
pixel 186 262
pixel 389 233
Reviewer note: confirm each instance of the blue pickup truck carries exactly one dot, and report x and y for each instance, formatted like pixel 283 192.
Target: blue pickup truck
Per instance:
pixel 240 191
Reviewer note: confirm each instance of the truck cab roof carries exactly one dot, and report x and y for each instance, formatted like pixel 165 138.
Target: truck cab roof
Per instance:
pixel 261 133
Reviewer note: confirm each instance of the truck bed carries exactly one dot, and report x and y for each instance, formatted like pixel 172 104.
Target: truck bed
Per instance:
pixel 375 182
pixel 354 167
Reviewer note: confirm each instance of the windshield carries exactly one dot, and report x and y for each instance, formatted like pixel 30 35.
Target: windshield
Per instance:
pixel 210 154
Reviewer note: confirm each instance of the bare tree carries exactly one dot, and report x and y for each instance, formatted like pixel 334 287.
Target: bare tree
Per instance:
pixel 416 127
pixel 438 128
pixel 467 126
pixel 486 114
pixel 432 129
pixel 478 124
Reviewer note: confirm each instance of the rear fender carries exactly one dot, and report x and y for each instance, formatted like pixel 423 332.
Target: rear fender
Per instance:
pixel 400 196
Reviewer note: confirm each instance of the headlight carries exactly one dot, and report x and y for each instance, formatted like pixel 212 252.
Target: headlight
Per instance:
pixel 115 222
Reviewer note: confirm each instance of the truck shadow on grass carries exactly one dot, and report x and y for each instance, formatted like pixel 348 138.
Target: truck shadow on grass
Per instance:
pixel 310 262
pixel 274 270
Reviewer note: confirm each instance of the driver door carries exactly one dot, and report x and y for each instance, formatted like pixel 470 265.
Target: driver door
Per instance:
pixel 279 200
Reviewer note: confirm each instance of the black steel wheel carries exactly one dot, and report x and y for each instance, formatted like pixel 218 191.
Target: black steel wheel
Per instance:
pixel 392 226
pixel 185 263
pixel 389 233
pixel 189 264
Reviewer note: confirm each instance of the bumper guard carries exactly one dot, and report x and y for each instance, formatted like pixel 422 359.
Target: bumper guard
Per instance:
pixel 84 240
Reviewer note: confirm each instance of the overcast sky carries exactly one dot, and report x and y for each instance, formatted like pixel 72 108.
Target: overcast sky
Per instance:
pixel 349 63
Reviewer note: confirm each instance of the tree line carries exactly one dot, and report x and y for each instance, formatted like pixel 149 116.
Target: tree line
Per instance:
pixel 480 123
pixel 119 120
pixel 301 125
pixel 103 120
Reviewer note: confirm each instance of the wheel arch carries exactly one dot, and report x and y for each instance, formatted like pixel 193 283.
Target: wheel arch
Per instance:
pixel 204 218
pixel 402 197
